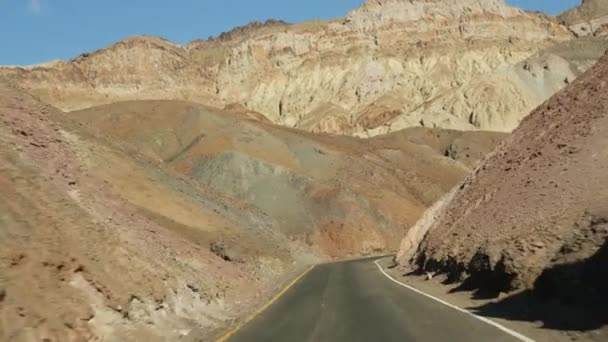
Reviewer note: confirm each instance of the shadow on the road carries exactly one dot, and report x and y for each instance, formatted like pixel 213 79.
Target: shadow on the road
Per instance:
pixel 565 297
pixel 493 285
pixel 484 281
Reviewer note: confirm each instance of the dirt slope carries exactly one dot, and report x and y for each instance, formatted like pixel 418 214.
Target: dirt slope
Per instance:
pixel 98 245
pixel 340 195
pixel 533 214
pixel 387 63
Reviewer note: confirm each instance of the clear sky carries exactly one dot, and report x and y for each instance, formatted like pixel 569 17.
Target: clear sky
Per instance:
pixel 34 31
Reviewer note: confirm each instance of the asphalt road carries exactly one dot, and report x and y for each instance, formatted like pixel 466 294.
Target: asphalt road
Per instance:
pixel 354 301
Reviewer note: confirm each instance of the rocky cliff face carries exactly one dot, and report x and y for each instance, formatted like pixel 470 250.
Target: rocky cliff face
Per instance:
pixel 388 64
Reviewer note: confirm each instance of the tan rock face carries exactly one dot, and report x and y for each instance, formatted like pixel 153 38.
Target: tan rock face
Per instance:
pixel 495 101
pixel 327 118
pixel 383 63
pixel 589 19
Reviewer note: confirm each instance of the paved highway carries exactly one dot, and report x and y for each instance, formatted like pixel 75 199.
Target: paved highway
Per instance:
pixel 354 301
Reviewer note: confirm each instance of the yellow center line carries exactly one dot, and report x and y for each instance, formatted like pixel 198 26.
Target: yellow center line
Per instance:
pixel 260 310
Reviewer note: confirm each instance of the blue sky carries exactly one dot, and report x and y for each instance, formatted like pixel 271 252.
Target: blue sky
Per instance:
pixel 34 31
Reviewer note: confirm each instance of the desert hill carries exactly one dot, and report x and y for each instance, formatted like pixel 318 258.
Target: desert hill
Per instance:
pixel 533 214
pixel 99 242
pixel 159 219
pixel 326 190
pixel 385 66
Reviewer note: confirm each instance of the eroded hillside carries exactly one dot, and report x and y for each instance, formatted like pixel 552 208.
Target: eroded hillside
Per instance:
pixel 387 65
pixel 159 219
pixel 83 258
pixel 340 195
pixel 533 214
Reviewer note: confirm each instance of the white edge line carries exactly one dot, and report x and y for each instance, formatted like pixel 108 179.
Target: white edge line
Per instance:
pixel 483 319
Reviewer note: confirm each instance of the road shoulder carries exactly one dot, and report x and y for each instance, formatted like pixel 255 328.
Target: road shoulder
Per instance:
pixel 464 300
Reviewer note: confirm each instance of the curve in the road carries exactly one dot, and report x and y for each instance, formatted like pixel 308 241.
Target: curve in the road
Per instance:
pixel 483 319
pixel 351 301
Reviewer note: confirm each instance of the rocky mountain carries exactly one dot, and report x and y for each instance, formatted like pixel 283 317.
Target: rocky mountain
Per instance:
pixel 160 219
pixel 533 215
pixel 387 65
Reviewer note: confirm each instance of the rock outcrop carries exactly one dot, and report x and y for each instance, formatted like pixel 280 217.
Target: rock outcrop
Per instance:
pixel 389 64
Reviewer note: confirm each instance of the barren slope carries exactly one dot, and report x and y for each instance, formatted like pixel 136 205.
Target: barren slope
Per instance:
pixel 159 219
pixel 342 196
pixel 96 244
pixel 388 63
pixel 534 213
